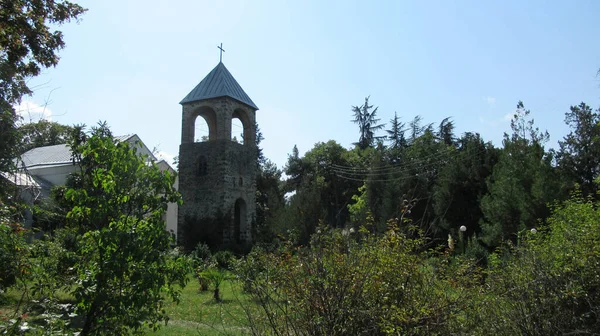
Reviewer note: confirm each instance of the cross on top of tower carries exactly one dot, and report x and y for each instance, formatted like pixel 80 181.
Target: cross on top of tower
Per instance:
pixel 221 53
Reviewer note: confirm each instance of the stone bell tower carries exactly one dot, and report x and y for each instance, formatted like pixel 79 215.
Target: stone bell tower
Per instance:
pixel 217 177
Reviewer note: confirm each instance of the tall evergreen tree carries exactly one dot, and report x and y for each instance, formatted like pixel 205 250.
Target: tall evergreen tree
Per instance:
pixel 396 133
pixel 461 184
pixel 579 153
pixel 367 123
pixel 446 131
pixel 415 128
pixel 522 184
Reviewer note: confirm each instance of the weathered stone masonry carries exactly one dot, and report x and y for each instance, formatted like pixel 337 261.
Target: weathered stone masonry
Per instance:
pixel 217 177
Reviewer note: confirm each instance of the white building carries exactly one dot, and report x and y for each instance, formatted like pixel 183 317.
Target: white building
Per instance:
pixel 39 169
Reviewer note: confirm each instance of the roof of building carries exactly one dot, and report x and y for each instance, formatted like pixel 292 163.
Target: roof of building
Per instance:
pixel 61 154
pixel 125 137
pixel 219 83
pixel 47 155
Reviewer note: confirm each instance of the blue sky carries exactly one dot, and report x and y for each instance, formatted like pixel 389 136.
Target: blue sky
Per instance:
pixel 305 63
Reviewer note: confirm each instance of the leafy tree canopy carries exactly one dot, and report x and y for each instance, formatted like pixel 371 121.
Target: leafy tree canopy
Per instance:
pixel 117 201
pixel 579 153
pixel 28 43
pixel 43 133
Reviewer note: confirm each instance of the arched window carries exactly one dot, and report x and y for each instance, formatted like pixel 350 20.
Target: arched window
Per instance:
pixel 205 125
pixel 237 131
pixel 241 127
pixel 201 130
pixel 241 181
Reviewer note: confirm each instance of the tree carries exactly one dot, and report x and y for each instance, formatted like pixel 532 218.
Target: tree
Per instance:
pixel 367 124
pixel 523 182
pixel 446 131
pixel 269 198
pixel 415 128
pixel 579 154
pixel 294 168
pixel 43 133
pixel 396 133
pixel 28 43
pixel 117 200
pixel 461 184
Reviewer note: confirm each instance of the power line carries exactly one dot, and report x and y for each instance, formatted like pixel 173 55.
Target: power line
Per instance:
pixel 362 176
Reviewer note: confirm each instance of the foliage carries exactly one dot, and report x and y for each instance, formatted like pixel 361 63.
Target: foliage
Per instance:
pixel 13 249
pixel 269 199
pixel 43 133
pixel 461 184
pixel 28 43
pixel 117 203
pixel 54 261
pixel 322 190
pixel 579 153
pixel 549 284
pixel 345 285
pixel 396 133
pixel 216 277
pixel 367 123
pixel 201 254
pixel 224 259
pixel 522 183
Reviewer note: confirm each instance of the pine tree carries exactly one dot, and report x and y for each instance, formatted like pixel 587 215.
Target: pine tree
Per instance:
pixel 396 133
pixel 367 123
pixel 579 154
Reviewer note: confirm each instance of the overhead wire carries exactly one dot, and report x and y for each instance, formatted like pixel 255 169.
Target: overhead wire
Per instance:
pixel 364 175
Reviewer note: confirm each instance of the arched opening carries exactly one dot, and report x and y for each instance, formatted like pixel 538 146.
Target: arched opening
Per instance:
pixel 241 127
pixel 239 220
pixel 205 125
pixel 237 131
pixel 201 130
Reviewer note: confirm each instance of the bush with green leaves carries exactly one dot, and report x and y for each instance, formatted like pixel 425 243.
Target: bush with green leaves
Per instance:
pixel 224 259
pixel 348 283
pixel 202 256
pixel 216 277
pixel 13 248
pixel 117 200
pixel 550 283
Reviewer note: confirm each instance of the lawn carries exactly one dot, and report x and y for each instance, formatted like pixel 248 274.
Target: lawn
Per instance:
pixel 199 314
pixel 196 314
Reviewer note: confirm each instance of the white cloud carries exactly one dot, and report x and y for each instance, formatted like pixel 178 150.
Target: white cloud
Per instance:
pixel 509 116
pixel 490 100
pixel 32 112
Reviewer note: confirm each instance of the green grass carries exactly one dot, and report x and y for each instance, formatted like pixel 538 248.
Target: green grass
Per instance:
pixel 199 314
pixel 196 314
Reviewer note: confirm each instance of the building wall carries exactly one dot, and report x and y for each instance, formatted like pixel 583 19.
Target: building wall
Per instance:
pixel 230 175
pixel 213 175
pixel 57 174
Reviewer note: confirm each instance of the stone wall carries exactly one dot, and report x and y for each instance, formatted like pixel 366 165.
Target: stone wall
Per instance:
pixel 213 175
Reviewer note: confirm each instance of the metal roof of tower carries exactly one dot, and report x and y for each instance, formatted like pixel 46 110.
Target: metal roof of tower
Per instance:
pixel 218 83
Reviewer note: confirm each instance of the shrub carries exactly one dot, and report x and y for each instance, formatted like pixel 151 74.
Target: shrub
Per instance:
pixel 549 284
pixel 340 285
pixel 201 255
pixel 117 201
pixel 13 249
pixel 224 259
